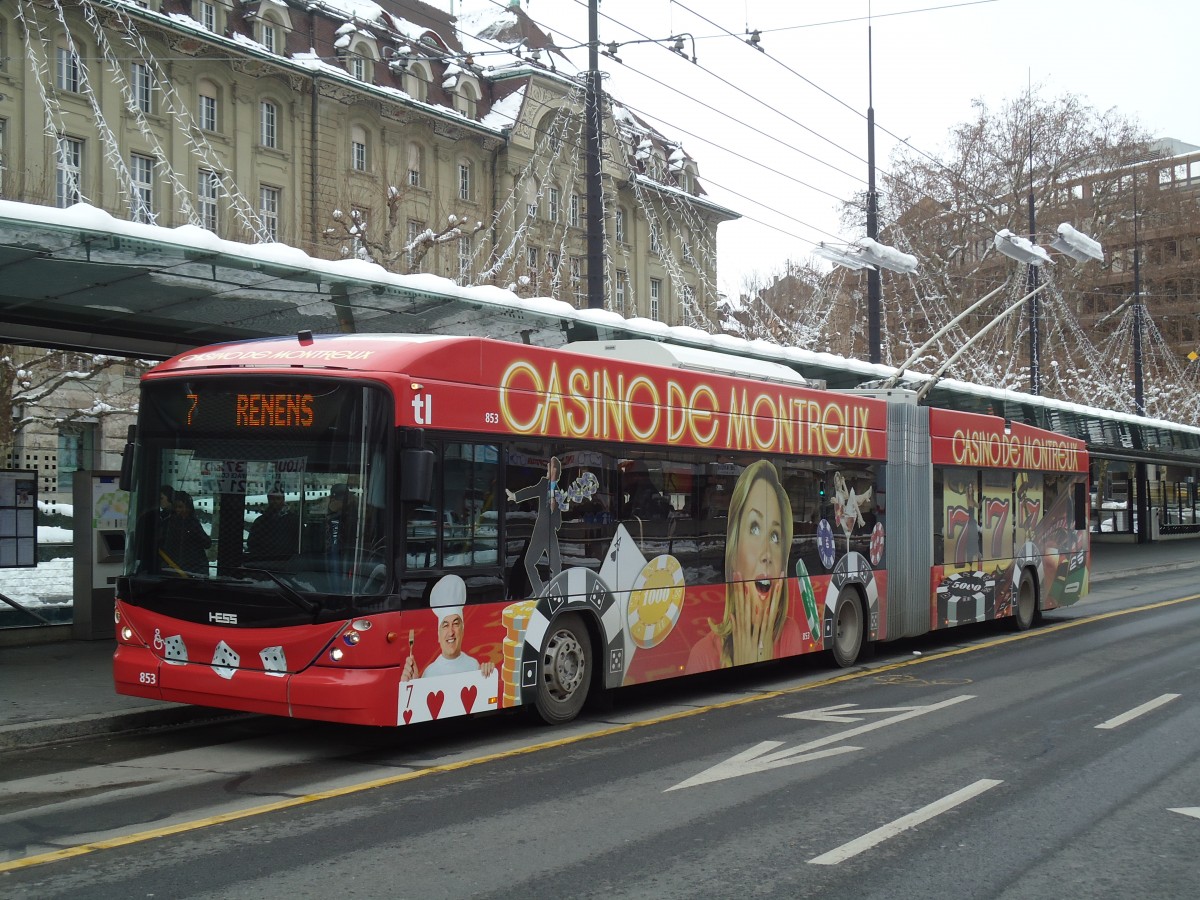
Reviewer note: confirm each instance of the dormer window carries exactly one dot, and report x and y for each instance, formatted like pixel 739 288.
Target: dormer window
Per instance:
pixel 206 15
pixel 466 97
pixel 357 47
pixel 268 35
pixel 274 22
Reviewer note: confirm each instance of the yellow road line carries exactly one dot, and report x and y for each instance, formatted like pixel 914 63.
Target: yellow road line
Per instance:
pixel 293 802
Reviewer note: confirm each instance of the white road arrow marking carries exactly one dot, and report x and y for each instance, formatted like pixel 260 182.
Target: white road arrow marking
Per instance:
pixel 766 754
pixel 1193 811
pixel 841 714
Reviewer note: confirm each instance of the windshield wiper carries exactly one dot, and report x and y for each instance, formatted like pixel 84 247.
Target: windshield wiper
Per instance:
pixel 293 596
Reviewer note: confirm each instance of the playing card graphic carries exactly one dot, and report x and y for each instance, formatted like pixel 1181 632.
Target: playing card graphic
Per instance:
pixel 443 696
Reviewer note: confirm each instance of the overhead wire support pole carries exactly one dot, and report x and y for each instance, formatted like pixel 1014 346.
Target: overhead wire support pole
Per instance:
pixel 1035 346
pixel 1139 389
pixel 874 285
pixel 594 187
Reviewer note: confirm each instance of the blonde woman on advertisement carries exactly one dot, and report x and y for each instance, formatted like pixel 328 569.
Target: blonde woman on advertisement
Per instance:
pixel 757 625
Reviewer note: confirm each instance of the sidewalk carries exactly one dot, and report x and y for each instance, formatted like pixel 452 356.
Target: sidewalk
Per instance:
pixel 63 691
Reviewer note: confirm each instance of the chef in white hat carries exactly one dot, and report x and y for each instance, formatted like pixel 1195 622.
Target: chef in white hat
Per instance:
pixel 446 602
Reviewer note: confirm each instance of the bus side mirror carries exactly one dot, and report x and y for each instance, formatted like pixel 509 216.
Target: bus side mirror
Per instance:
pixel 416 475
pixel 126 481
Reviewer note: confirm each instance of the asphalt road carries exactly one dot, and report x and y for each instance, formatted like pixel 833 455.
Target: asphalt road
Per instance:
pixel 1058 763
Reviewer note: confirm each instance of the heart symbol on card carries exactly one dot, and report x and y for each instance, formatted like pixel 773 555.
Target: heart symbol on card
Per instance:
pixel 434 701
pixel 468 695
pixel 407 716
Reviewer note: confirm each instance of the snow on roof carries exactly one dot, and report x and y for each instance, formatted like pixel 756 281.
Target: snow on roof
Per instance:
pixel 503 114
pixel 188 237
pixel 362 10
pixel 488 21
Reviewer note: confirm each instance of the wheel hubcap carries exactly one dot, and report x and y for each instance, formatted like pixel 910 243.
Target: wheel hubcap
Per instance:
pixel 563 665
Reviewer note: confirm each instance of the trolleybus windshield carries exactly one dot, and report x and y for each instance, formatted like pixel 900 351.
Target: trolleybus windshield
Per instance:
pixel 275 485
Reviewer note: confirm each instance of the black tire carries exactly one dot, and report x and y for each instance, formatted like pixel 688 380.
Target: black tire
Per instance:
pixel 847 629
pixel 564 670
pixel 1025 606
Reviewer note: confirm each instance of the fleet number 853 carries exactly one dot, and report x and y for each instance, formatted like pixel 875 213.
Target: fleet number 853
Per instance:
pixel 148 677
pixel 491 418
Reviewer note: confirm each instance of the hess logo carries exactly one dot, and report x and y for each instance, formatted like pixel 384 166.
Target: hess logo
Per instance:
pixel 219 618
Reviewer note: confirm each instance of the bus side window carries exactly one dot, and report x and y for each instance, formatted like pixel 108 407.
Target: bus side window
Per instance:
pixel 1081 506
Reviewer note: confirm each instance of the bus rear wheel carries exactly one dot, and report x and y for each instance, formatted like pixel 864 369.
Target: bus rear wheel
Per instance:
pixel 1025 609
pixel 847 629
pixel 564 670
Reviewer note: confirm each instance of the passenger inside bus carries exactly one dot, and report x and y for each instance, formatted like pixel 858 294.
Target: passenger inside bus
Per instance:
pixel 273 534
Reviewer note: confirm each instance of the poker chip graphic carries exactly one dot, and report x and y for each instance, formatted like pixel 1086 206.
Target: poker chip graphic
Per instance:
pixel 825 545
pixel 655 601
pixel 966 597
pixel 876 543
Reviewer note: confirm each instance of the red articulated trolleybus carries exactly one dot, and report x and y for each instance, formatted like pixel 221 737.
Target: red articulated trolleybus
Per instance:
pixel 391 529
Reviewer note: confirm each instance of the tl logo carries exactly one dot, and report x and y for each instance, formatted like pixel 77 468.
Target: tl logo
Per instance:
pixel 422 405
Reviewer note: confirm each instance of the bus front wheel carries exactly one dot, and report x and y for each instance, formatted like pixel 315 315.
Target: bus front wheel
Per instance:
pixel 564 670
pixel 847 629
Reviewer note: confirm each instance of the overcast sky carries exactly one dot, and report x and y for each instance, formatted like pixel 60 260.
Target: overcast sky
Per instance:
pixel 799 106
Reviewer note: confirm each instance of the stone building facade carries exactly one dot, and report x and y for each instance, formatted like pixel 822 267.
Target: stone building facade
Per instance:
pixel 386 130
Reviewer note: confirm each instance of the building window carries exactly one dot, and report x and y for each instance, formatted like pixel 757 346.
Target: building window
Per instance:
pixel 686 297
pixel 655 238
pixel 573 211
pixel 268 211
pixel 467 100
pixel 415 230
pixel 208 112
pixel 620 225
pixel 361 217
pixel 655 297
pixel 357 67
pixel 207 191
pixel 414 165
pixel 552 263
pixel 465 189
pixel 552 204
pixel 619 289
pixel 141 173
pixel 207 14
pixel 577 287
pixel 69 172
pixel 269 115
pixel 531 262
pixel 358 148
pixel 3 158
pixel 464 260
pixel 416 82
pixel 141 83
pixel 268 35
pixel 66 71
